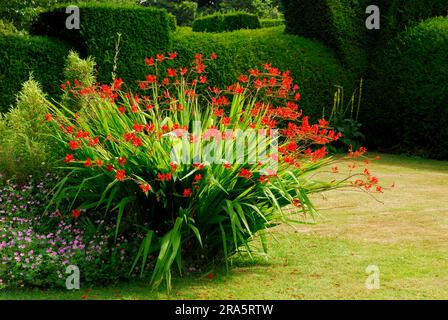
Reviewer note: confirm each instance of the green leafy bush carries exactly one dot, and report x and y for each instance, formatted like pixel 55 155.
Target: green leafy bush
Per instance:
pixel 221 22
pixel 409 92
pixel 338 23
pixel 313 65
pixel 267 23
pixel 7 28
pixel 143 30
pixel 22 54
pixel 24 146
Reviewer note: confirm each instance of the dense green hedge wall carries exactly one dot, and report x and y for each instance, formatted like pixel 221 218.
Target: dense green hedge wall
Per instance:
pixel 314 66
pixel 220 22
pixel 409 104
pixel 22 54
pixel 267 23
pixel 338 23
pixel 144 31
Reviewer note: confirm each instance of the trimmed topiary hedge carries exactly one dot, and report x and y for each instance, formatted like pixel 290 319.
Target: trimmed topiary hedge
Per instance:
pixel 314 66
pixel 267 23
pixel 338 23
pixel 144 31
pixel 22 54
pixel 219 22
pixel 409 101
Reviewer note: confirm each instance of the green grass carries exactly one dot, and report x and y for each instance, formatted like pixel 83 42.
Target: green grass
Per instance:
pixel 406 236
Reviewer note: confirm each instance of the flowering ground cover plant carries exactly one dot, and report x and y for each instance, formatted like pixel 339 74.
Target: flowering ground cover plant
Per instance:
pixel 35 250
pixel 198 170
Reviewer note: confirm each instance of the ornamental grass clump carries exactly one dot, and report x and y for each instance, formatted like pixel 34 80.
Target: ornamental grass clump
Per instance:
pixel 199 170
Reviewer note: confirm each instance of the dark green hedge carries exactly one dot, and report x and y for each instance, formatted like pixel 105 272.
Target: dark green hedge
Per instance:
pixel 338 23
pixel 144 31
pixel 314 66
pixel 409 100
pixel 22 54
pixel 219 22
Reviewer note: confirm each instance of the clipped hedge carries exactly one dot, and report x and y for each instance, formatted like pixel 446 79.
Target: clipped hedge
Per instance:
pixel 314 66
pixel 268 23
pixel 21 54
pixel 220 22
pixel 409 104
pixel 399 14
pixel 338 23
pixel 144 31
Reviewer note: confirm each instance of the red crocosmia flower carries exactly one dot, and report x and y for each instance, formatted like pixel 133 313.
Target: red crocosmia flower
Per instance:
pixel 69 158
pixel 187 192
pixel 297 96
pixel 210 276
pixel 379 189
pixel 202 79
pixel 94 142
pixel 149 61
pixel 145 187
pixel 120 175
pixel 168 176
pixel 76 213
pixel 48 117
pixel 335 170
pixel 74 144
pixel 243 78
pixel 99 162
pixel 149 127
pixel 138 127
pixel 198 56
pixel 161 176
pixel 225 121
pixel 117 84
pixel 142 85
pixel 122 161
pixel 110 167
pixel 69 129
pixel 254 72
pixel 197 177
pixel 165 81
pixel 149 107
pixel 160 56
pixel 296 202
pixel 172 55
pixel 213 56
pixel 63 86
pixel 171 72
pixel 227 165
pixel 183 71
pixel 367 172
pixel 173 166
pixel 218 112
pixel 137 142
pixel 88 163
pixel 122 109
pixel 245 173
pixel 151 78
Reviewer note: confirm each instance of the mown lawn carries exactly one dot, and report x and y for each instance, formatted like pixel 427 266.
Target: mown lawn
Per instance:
pixel 406 236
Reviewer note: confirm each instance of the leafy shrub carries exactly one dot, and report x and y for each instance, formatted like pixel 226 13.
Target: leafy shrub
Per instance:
pixel 24 146
pixel 35 250
pixel 7 28
pixel 338 23
pixel 267 23
pixel 409 99
pixel 220 22
pixel 22 54
pixel 124 156
pixel 143 31
pixel 312 64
